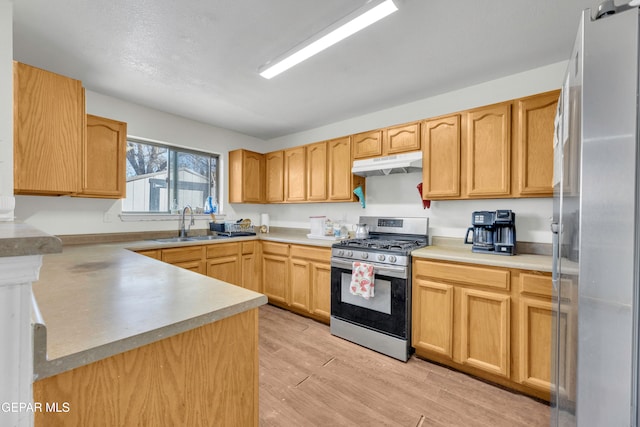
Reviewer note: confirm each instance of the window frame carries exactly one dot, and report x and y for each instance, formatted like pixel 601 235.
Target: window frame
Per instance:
pixel 172 156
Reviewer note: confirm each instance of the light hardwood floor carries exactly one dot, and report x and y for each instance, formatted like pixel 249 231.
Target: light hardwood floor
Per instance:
pixel 308 377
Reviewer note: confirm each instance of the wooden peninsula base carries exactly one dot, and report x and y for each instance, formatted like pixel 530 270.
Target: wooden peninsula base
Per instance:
pixel 202 377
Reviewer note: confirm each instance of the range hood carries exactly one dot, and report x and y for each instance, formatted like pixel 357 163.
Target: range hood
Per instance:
pixel 399 163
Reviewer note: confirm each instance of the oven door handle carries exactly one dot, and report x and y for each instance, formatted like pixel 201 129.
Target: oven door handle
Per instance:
pixel 398 272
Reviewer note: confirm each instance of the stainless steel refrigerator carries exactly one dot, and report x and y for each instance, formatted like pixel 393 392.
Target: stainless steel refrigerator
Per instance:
pixel 596 227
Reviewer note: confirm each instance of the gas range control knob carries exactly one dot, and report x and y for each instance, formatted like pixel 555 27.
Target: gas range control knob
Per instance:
pixel 365 255
pixel 392 258
pixel 350 253
pixel 381 257
pixel 340 252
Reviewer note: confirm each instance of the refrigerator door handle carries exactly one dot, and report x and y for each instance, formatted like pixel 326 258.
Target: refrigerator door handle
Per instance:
pixel 555 244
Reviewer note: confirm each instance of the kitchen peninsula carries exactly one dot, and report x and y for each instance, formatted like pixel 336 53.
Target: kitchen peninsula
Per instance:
pixel 122 339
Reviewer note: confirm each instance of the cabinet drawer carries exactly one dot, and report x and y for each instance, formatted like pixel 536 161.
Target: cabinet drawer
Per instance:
pixel 275 248
pixel 222 249
pixel 151 253
pixel 188 253
pixel 318 254
pixel 536 284
pixel 464 274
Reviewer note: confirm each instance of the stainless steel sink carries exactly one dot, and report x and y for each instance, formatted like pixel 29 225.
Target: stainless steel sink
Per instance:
pixel 175 239
pixel 207 237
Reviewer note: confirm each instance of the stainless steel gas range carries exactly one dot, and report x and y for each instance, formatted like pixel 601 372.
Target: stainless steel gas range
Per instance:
pixel 381 322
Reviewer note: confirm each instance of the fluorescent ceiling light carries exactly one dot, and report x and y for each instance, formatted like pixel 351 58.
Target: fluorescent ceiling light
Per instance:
pixel 370 13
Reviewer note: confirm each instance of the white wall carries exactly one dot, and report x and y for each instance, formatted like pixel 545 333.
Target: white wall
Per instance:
pixel 390 195
pixel 70 215
pixel 6 108
pixel 397 194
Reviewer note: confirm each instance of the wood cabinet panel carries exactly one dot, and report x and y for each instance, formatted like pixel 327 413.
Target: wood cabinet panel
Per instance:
pixel 441 140
pixel 300 283
pixel 535 336
pixel 485 331
pixel 367 144
pixel 433 317
pixel 534 140
pixel 182 254
pixel 275 277
pixel 401 139
pixel 195 266
pixel 207 373
pixel 222 249
pixel 246 177
pixel 341 181
pixel 274 179
pixel 295 176
pixel 251 272
pixel 321 289
pixel 104 166
pixel 465 274
pixel 151 253
pixel 225 268
pixel 48 130
pixel 536 284
pixel 489 151
pixel 317 171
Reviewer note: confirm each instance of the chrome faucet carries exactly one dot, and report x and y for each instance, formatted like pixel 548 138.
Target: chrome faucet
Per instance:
pixel 183 230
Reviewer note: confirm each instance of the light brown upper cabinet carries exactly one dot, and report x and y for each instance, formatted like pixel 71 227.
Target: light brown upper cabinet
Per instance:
pixel 295 176
pixel 534 143
pixel 488 160
pixel 401 139
pixel 274 165
pixel 246 177
pixel 104 166
pixel 441 157
pixel 367 144
pixel 341 181
pixel 317 172
pixel 49 131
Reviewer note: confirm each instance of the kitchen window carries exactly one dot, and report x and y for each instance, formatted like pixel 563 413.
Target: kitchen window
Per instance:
pixel 162 179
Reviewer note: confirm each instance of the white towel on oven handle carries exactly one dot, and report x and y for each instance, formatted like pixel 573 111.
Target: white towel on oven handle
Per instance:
pixel 362 279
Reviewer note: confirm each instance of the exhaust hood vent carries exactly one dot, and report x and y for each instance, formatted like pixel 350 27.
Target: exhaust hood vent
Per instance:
pixel 399 163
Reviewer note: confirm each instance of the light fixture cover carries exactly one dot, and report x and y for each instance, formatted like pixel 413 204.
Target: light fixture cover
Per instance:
pixel 370 13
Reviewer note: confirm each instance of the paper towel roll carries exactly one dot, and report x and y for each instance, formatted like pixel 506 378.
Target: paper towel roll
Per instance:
pixel 264 220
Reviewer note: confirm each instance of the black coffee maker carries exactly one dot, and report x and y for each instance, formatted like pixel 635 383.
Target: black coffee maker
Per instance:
pixel 493 232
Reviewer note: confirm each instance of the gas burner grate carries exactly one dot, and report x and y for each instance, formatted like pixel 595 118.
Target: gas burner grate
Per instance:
pixel 382 244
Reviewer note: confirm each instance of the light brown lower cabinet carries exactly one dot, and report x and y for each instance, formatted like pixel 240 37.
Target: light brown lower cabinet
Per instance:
pixel 205 374
pixel 187 257
pixel 491 322
pixel 298 278
pixel 224 262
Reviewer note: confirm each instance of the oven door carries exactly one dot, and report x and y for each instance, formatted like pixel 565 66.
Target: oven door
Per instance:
pixel 386 312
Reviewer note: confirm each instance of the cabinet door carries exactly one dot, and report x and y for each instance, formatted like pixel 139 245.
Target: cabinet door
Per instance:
pixel 489 151
pixel 295 176
pixel 275 276
pixel 274 164
pixel 300 283
pixel 317 171
pixel 104 173
pixel 485 342
pixel 441 157
pixel 225 268
pixel 246 177
pixel 535 343
pixel 367 144
pixel 195 266
pixel 251 272
pixel 48 130
pixel 321 290
pixel 341 179
pixel 433 317
pixel 402 139
pixel 534 139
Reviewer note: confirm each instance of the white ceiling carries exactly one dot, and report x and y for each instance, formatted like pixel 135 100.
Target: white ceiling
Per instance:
pixel 199 58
